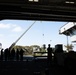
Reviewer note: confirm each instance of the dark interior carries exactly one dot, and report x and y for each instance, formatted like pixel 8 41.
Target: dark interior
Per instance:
pixel 45 10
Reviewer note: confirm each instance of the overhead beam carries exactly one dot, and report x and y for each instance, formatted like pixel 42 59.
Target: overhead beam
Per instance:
pixel 25 10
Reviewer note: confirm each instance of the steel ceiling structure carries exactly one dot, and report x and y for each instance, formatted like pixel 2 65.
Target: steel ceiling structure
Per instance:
pixel 43 10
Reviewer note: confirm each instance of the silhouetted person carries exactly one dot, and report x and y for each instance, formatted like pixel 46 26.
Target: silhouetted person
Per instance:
pixel 49 49
pixel 2 54
pixel 12 54
pixel 6 54
pixel 17 55
pixel 9 55
pixel 21 54
pixel 49 58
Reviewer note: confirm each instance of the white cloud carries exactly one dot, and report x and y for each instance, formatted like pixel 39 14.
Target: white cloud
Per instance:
pixel 2 26
pixel 13 27
pixel 17 29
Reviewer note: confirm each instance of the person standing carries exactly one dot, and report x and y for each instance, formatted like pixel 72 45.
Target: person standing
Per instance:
pixel 6 54
pixel 17 55
pixel 21 54
pixel 1 54
pixel 12 54
pixel 49 58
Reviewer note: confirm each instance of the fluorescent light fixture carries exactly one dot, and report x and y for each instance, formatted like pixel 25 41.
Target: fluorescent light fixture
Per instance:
pixel 30 0
pixel 67 2
pixel 36 0
pixel 72 2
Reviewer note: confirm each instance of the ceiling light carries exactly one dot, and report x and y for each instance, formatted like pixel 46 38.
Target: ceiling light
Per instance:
pixel 72 2
pixel 67 2
pixel 30 0
pixel 36 0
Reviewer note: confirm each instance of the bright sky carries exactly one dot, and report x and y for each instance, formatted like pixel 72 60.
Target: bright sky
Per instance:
pixel 10 31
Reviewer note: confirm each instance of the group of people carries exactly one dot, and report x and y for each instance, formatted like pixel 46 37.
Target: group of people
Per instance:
pixel 11 54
